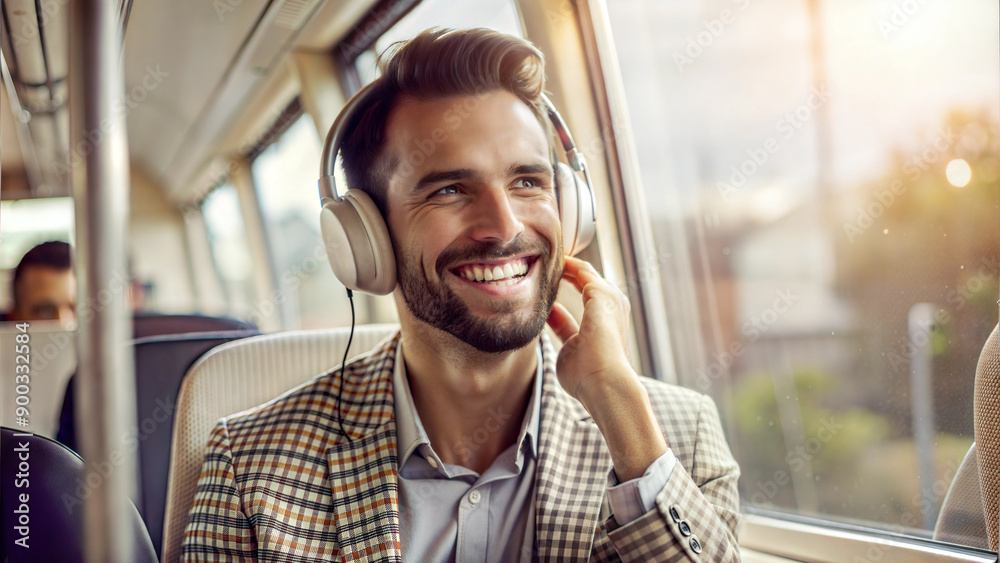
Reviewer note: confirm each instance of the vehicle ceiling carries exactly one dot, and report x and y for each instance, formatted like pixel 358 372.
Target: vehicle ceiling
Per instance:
pixel 203 62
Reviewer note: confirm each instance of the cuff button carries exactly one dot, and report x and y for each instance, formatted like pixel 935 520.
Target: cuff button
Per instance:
pixel 685 529
pixel 674 514
pixel 695 546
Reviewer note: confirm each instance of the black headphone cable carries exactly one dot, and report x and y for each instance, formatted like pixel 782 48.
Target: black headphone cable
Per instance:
pixel 343 364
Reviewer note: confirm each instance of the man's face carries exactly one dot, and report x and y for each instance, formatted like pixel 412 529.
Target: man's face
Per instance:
pixel 46 294
pixel 473 191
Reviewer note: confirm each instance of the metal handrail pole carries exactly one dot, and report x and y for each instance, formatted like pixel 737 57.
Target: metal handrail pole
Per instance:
pixel 105 397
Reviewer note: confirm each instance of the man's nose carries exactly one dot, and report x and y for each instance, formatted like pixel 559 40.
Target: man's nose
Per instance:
pixel 495 217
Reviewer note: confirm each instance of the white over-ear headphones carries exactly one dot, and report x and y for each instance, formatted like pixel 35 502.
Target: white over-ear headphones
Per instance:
pixel 357 239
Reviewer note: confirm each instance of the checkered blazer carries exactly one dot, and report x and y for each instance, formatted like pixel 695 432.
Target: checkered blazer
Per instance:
pixel 281 483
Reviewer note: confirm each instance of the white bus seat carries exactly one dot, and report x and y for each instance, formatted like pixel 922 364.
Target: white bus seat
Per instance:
pixel 962 520
pixel 986 420
pixel 52 360
pixel 235 377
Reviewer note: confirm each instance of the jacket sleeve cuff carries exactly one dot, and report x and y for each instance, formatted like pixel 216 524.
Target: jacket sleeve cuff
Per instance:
pixel 633 498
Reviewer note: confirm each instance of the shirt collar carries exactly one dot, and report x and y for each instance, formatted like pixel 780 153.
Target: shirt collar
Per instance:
pixel 410 433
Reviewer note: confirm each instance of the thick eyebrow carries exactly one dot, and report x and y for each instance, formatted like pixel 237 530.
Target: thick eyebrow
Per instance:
pixel 441 176
pixel 437 177
pixel 529 169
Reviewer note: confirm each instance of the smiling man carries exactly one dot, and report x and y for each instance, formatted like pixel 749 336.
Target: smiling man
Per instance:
pixel 467 437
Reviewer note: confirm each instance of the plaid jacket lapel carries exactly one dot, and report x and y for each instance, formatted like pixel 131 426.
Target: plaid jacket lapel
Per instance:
pixel 363 471
pixel 573 465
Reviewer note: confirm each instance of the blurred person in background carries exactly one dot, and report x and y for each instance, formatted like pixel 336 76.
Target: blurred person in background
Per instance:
pixel 44 285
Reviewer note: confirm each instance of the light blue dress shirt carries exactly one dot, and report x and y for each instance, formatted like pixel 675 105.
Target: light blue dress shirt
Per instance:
pixel 453 514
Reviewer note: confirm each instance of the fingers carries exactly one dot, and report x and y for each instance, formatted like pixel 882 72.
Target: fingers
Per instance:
pixel 580 273
pixel 586 279
pixel 562 323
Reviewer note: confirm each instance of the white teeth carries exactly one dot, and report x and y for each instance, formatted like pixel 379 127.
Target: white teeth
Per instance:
pixel 498 275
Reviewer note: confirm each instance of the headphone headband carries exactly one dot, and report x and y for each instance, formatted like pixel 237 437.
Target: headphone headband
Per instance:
pixel 328 161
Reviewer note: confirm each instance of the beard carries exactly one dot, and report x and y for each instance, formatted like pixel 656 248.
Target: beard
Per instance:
pixel 440 307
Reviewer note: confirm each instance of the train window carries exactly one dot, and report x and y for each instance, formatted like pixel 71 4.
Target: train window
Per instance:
pixel 500 15
pixel 285 177
pixel 24 224
pixel 822 187
pixel 228 237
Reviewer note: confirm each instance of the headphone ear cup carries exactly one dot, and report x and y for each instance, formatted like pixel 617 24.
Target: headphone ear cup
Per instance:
pixel 576 210
pixel 357 243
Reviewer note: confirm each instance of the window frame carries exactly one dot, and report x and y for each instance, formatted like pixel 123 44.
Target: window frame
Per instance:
pixel 803 538
pixel 379 19
pixel 634 229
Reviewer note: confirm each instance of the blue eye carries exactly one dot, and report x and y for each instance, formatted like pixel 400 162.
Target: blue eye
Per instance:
pixel 447 190
pixel 527 183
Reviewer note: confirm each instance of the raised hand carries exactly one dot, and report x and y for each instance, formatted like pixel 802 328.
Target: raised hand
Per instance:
pixel 597 347
pixel 593 367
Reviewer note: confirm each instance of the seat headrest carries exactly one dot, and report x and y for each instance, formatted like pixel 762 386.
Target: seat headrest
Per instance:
pixel 55 477
pixel 986 420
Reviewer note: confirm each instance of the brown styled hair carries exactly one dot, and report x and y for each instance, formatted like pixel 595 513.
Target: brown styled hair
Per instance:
pixel 437 63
